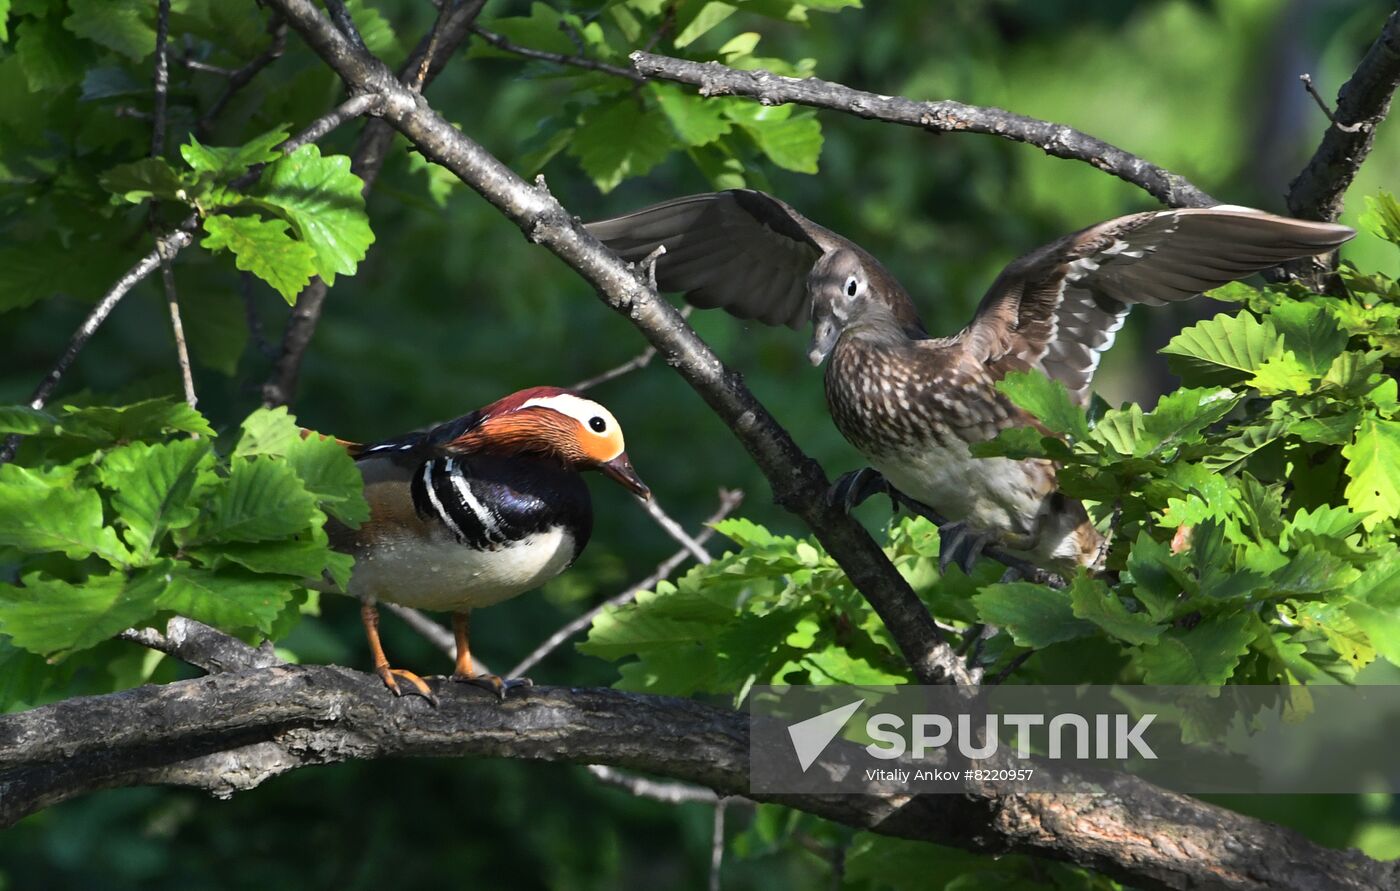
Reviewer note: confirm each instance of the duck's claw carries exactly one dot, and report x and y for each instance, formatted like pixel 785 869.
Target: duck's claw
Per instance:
pixel 853 488
pixel 960 543
pixel 495 683
pixel 417 686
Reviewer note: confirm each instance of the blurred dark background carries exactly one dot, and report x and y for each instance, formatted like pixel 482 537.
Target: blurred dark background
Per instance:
pixel 454 308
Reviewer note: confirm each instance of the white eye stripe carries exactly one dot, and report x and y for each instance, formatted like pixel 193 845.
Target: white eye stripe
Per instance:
pixel 576 407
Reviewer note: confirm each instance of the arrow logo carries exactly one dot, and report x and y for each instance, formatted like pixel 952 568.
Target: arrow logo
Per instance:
pixel 811 737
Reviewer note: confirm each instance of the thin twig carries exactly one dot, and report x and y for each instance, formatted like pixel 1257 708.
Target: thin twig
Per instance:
pixel 717 844
pixel 167 245
pixel 500 42
pixel 1001 676
pixel 637 362
pixel 676 530
pixel 1322 104
pixel 668 792
pixel 354 107
pixel 204 67
pixel 202 646
pixel 241 77
pixel 177 327
pixel 421 77
pixel 162 77
pixel 344 22
pixel 729 500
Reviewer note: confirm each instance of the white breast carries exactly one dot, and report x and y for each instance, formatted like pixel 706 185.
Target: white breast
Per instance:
pixel 438 573
pixel 989 493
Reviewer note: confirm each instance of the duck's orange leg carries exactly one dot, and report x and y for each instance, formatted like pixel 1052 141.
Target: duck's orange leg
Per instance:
pixel 461 629
pixel 369 614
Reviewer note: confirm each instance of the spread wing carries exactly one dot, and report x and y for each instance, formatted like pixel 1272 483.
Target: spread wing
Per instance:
pixel 1059 308
pixel 742 251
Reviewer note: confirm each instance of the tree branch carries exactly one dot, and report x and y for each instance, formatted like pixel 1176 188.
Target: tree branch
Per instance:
pixel 578 61
pixel 1362 103
pixel 428 59
pixel 943 116
pixel 234 730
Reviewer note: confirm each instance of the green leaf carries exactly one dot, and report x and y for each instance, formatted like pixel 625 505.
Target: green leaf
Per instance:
pixel 1373 603
pixel 295 557
pixel 1223 350
pixel 230 162
pixel 262 500
pixel 263 248
pixel 144 179
pixel 121 25
pixel 1204 655
pixel 46 615
pixel 46 512
pixel 1159 577
pixel 267 431
pixel 230 599
pixel 1382 217
pixel 696 121
pixel 1311 331
pixel 1182 415
pixel 1123 430
pixel 793 141
pixel 148 419
pixel 618 139
pixel 325 204
pixel 1327 521
pixel 1282 374
pixel 152 488
pixel 24 420
pixel 4 17
pixel 1047 400
pixel 1017 443
pixel 1092 600
pixel 708 16
pixel 330 474
pixel 1035 616
pixel 52 58
pixel 745 533
pixel 1373 464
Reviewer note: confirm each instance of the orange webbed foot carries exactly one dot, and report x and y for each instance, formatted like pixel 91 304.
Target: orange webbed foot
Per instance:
pixel 416 685
pixel 494 683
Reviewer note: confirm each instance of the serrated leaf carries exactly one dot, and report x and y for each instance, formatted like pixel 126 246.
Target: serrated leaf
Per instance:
pixel 330 474
pixel 262 500
pixel 152 488
pixel 1223 350
pixel 1092 600
pixel 24 420
pixel 696 120
pixel 1242 447
pixel 267 431
pixel 1159 577
pixel 148 419
pixel 704 20
pixel 745 533
pixel 121 25
pixel 1282 373
pixel 47 513
pixel 47 615
pixel 1373 465
pixel 1047 400
pixel 1182 415
pixel 229 599
pixel 229 162
pixel 51 58
pixel 792 141
pixel 1123 430
pixel 619 633
pixel 619 139
pixel 1382 217
pixel 1204 655
pixel 325 204
pixel 144 179
pixel 263 248
pixel 1328 521
pixel 1034 615
pixel 1373 603
pixel 1311 332
pixel 299 558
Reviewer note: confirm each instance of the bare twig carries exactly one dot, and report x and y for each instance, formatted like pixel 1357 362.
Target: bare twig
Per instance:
pixel 500 42
pixel 344 22
pixel 204 67
pixel 1322 104
pixel 717 844
pixel 655 790
pixel 202 646
pixel 241 77
pixel 675 530
pixel 639 361
pixel 365 162
pixel 729 500
pixel 944 116
pixel 419 78
pixel 354 107
pixel 162 77
pixel 167 245
pixel 1010 669
pixel 177 327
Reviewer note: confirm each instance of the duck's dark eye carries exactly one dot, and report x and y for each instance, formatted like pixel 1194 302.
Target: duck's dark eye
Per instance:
pixel 851 286
pixel 598 424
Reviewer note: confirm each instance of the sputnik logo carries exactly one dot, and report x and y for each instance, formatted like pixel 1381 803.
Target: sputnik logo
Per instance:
pixel 811 737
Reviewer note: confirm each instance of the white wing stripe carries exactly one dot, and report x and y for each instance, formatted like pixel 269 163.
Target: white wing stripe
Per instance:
pixel 438 508
pixel 489 523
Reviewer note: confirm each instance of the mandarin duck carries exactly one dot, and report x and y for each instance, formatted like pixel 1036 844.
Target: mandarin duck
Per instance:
pixel 478 510
pixel 912 403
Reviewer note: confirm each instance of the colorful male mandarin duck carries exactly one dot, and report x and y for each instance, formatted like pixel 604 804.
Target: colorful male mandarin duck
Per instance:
pixel 913 403
pixel 478 510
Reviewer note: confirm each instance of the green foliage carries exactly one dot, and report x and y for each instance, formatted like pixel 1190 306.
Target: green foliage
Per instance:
pixel 131 515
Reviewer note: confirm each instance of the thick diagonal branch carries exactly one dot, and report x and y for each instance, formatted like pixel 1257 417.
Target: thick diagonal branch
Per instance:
pixel 941 116
pixel 234 730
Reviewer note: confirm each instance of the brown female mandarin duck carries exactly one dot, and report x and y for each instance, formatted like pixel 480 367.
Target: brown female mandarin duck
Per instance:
pixel 913 403
pixel 478 510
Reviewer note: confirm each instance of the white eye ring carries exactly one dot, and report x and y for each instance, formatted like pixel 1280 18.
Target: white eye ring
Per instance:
pixel 854 286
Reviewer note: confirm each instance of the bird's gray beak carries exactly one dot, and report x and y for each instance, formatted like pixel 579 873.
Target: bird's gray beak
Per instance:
pixel 824 334
pixel 620 469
